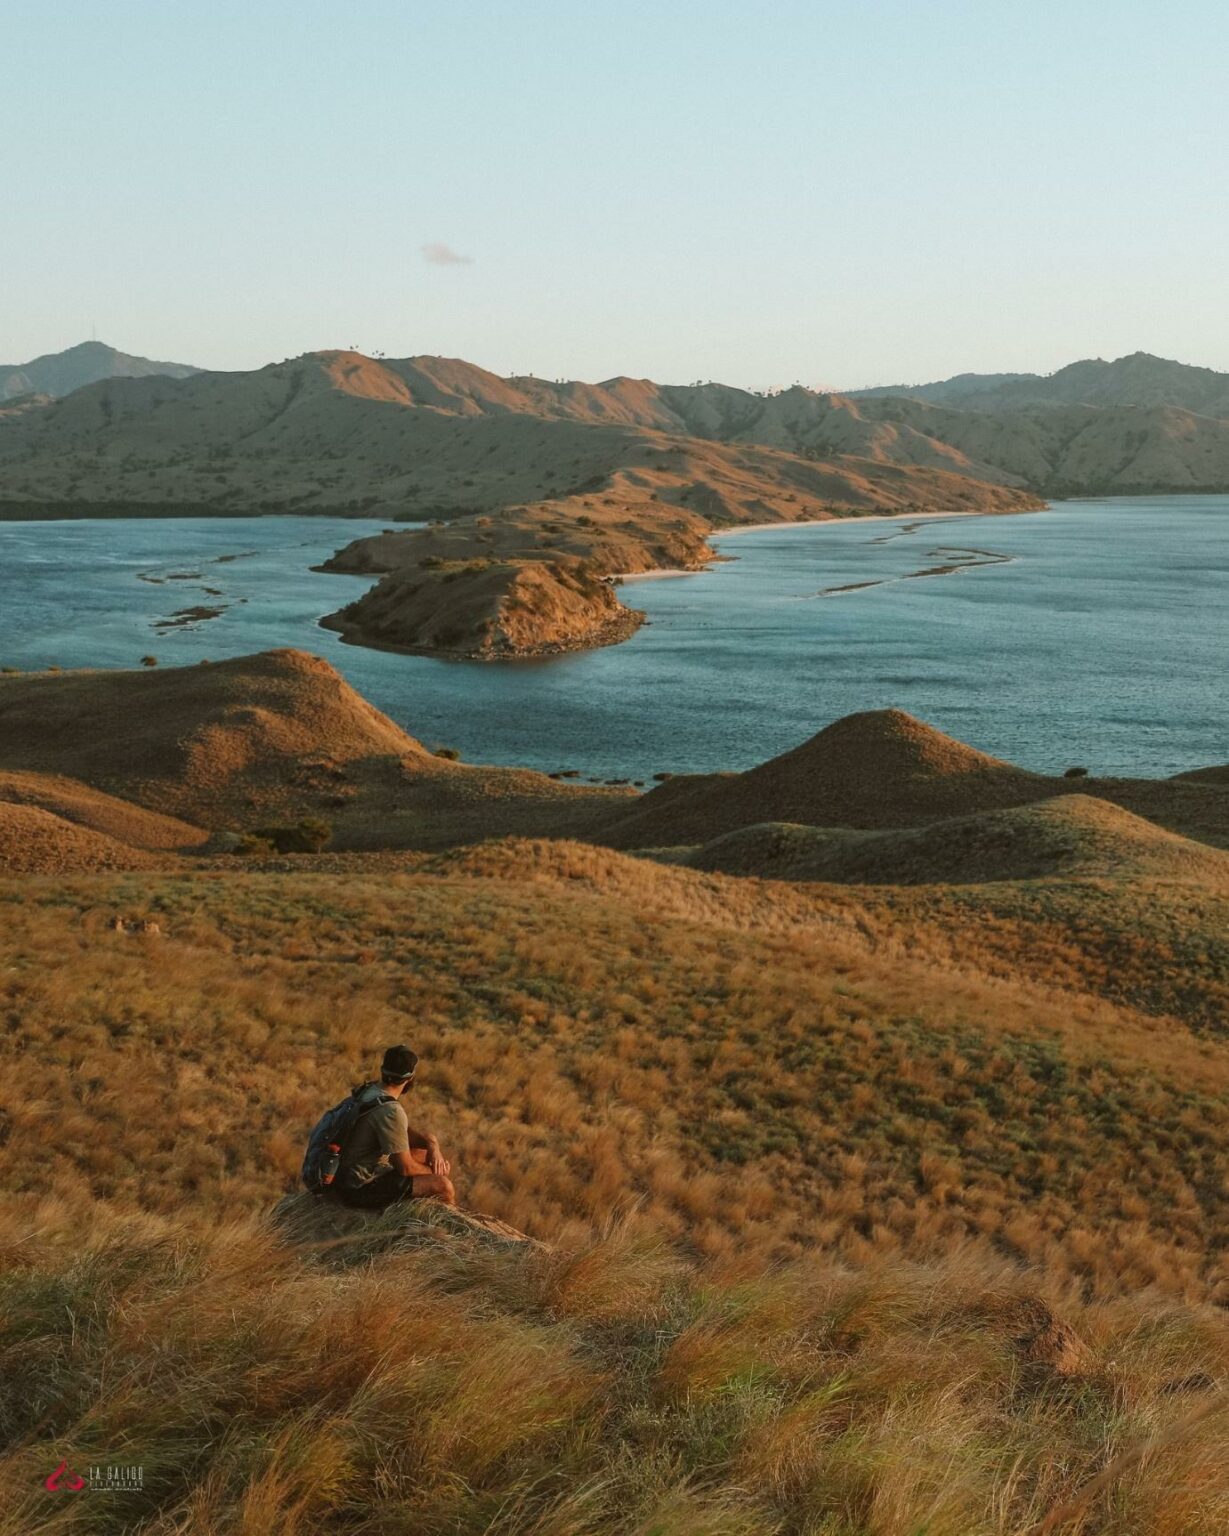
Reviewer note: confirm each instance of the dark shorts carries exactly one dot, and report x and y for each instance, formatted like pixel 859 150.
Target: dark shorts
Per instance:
pixel 385 1189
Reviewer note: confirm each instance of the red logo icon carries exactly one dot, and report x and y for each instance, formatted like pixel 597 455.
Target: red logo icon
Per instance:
pixel 64 1481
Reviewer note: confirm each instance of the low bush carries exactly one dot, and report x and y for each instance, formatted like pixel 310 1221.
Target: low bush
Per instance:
pixel 311 835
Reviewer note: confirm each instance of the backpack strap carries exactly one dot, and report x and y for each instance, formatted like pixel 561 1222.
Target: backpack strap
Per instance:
pixel 364 1108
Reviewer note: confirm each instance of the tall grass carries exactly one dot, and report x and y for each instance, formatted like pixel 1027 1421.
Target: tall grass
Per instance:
pixel 611 1388
pixel 763 1082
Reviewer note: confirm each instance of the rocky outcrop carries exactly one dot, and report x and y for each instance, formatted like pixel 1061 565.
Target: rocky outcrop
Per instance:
pixel 329 1226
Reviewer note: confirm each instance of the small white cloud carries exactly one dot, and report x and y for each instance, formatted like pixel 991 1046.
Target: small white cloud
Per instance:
pixel 444 256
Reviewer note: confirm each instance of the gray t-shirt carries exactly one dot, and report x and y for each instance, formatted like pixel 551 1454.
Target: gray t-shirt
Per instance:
pixel 379 1131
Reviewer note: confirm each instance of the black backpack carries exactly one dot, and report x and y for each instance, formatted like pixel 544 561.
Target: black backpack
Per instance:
pixel 327 1143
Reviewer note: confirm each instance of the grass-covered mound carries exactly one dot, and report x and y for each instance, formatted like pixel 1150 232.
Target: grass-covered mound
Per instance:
pixel 1075 836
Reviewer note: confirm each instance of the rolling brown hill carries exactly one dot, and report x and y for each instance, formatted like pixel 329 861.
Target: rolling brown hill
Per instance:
pixel 1070 837
pixel 181 735
pixel 259 739
pixel 336 431
pixel 84 806
pixel 427 436
pixel 883 768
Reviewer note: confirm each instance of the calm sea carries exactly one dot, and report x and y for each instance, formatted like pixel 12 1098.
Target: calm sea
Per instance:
pixel 1094 633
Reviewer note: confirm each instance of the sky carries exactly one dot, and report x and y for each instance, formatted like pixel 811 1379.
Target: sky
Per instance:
pixel 831 192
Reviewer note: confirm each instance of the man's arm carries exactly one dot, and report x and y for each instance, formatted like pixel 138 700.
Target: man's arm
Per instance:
pixel 428 1145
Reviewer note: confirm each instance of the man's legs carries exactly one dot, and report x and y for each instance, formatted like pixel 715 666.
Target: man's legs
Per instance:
pixel 391 1186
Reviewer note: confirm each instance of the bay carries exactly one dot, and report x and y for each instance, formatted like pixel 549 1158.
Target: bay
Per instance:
pixel 1094 633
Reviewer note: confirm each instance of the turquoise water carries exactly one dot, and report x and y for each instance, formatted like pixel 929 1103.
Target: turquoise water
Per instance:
pixel 1093 633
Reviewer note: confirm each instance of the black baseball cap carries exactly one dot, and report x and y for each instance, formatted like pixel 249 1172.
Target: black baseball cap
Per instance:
pixel 399 1064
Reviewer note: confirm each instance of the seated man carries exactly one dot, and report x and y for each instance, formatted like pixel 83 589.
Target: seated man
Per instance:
pixel 384 1160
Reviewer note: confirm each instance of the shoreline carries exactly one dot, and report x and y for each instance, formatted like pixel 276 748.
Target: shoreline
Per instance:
pixel 515 597
pixel 871 517
pixel 659 574
pixel 809 522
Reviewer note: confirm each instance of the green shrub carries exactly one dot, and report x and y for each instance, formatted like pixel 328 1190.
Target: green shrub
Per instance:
pixel 252 846
pixel 310 835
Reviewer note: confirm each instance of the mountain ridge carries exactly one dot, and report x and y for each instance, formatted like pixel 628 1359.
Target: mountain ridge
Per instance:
pixel 56 374
pixel 290 436
pixel 1139 379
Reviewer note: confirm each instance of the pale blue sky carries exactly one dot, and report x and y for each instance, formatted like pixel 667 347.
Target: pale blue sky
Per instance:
pixel 837 192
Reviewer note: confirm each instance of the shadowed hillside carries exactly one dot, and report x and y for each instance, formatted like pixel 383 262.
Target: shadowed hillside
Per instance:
pixel 36 842
pixel 86 807
pixel 1075 836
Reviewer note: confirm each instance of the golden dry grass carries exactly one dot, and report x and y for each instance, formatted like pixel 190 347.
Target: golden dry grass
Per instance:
pixel 810 1159
pixel 871 1210
pixel 611 1388
pixel 37 842
pixel 748 1068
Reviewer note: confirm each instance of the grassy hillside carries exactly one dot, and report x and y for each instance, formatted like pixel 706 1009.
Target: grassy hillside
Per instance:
pixel 996 1183
pixel 337 431
pixel 861 1209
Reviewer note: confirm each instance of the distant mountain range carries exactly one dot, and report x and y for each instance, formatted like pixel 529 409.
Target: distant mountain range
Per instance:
pixel 431 436
pixel 59 373
pixel 1139 380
